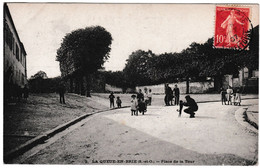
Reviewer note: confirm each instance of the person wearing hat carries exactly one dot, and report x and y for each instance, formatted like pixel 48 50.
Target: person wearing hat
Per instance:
pixel 191 104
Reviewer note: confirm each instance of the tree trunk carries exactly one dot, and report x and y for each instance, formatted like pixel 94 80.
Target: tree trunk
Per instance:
pixel 77 89
pixel 82 88
pixel 217 83
pixel 187 85
pixel 88 85
pixel 71 84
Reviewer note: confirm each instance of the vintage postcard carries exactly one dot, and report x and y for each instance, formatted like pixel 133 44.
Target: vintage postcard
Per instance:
pixel 130 84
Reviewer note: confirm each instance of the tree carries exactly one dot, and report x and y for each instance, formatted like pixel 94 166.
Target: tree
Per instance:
pixel 39 74
pixel 138 66
pixel 83 52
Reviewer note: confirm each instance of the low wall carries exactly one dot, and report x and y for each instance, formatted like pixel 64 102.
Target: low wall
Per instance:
pixel 110 88
pixel 195 87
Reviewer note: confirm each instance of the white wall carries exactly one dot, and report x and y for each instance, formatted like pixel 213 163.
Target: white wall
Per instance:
pixel 195 87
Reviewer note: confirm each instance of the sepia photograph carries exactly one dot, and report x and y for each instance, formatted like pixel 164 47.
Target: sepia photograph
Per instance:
pixel 89 83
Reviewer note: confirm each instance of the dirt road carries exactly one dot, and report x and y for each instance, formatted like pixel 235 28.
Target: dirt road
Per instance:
pixel 214 137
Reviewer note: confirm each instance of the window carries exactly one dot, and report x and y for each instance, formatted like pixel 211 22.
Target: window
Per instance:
pixel 9 39
pixel 22 79
pixel 19 76
pixel 17 52
pixel 13 44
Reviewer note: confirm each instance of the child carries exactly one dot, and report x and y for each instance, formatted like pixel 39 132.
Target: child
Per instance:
pixel 223 96
pixel 238 97
pixel 118 102
pixel 134 105
pixel 111 98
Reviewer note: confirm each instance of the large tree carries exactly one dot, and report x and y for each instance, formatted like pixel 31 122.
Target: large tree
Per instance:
pixel 83 52
pixel 138 66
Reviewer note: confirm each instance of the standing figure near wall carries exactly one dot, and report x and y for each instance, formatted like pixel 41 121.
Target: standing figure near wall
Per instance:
pixel 111 100
pixel 176 95
pixel 229 95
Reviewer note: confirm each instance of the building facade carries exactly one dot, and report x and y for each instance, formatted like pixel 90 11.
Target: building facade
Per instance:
pixel 247 80
pixel 15 70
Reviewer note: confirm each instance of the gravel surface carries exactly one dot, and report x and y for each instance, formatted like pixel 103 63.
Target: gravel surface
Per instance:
pixel 214 137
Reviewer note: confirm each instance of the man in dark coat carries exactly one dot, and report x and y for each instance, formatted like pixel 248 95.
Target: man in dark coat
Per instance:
pixel 191 104
pixel 168 95
pixel 62 91
pixel 141 104
pixel 176 94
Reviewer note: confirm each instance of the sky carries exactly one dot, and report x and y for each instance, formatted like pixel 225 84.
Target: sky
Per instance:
pixel 157 27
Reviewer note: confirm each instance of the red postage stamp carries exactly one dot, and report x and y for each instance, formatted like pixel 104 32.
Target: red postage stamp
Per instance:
pixel 231 27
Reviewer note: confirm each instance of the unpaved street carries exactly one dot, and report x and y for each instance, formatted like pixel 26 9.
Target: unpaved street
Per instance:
pixel 214 137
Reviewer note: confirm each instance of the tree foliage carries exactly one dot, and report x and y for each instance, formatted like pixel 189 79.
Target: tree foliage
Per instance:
pixel 84 50
pixel 197 62
pixel 39 74
pixel 40 83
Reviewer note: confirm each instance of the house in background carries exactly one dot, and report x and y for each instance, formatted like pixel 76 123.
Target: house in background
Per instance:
pixel 247 80
pixel 15 71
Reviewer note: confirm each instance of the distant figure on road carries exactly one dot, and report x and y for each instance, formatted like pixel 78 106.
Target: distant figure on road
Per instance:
pixel 223 96
pixel 229 95
pixel 176 94
pixel 150 94
pixel 25 92
pixel 62 91
pixel 118 102
pixel 111 99
pixel 191 104
pixel 134 105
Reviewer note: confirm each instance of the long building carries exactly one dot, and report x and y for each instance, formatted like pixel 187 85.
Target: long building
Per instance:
pixel 15 70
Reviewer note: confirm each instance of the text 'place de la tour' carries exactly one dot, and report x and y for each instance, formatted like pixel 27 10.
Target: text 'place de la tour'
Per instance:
pixel 130 84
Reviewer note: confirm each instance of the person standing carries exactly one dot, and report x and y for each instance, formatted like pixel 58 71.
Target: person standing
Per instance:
pixel 223 96
pixel 118 102
pixel 176 94
pixel 62 91
pixel 141 103
pixel 238 98
pixel 134 105
pixel 229 95
pixel 150 94
pixel 146 99
pixel 111 99
pixel 168 92
pixel 233 97
pixel 140 96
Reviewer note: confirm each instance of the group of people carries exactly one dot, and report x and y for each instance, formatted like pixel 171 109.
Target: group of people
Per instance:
pixel 171 94
pixel 140 101
pixel 230 96
pixel 112 101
